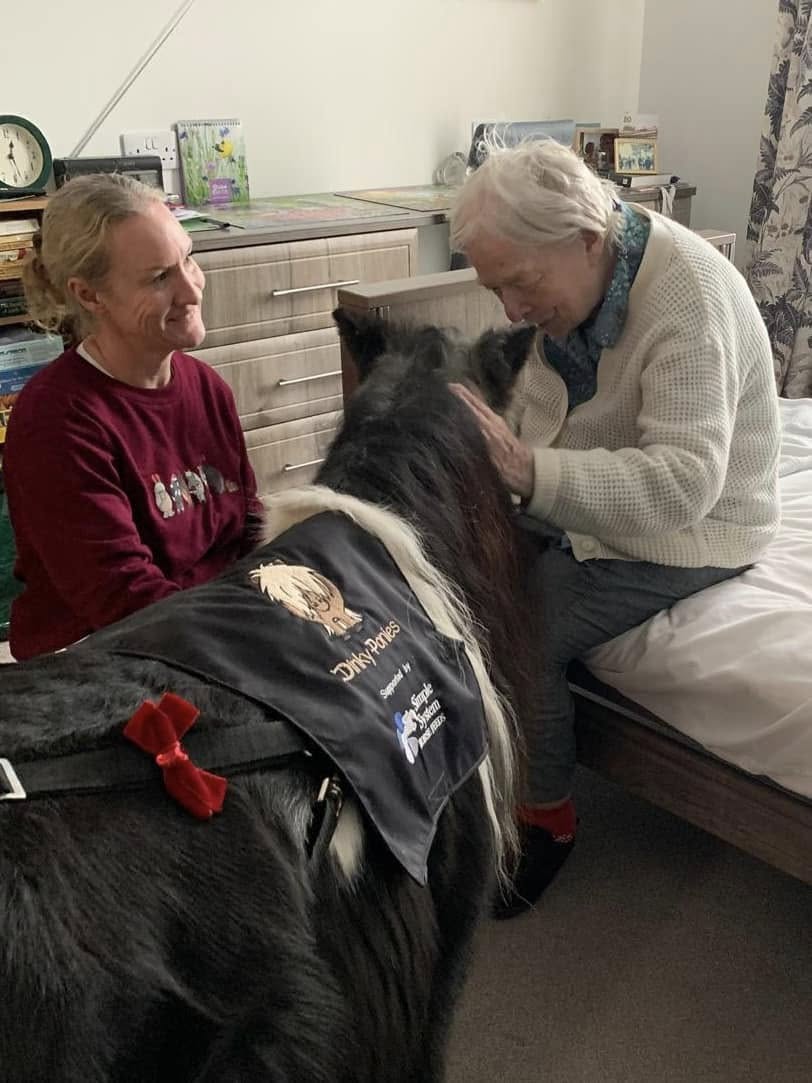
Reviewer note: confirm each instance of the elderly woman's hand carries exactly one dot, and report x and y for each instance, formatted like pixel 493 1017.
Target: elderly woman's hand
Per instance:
pixel 512 458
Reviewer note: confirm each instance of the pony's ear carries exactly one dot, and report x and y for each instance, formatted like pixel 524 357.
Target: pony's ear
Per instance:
pixel 364 335
pixel 428 350
pixel 500 357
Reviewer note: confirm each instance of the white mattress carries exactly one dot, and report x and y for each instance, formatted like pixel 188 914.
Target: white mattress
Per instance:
pixel 731 666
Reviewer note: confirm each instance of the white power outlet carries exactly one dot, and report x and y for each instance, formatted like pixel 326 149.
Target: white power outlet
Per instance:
pixel 163 144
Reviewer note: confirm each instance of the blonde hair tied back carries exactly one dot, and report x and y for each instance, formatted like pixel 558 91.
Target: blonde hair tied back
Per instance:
pixel 72 242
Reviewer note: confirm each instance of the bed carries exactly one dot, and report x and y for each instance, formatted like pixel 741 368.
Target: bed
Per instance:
pixel 705 710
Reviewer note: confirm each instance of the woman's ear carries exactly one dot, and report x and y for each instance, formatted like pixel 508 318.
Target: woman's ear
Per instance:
pixel 594 244
pixel 87 297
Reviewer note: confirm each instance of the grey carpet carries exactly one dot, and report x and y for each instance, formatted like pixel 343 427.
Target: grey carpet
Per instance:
pixel 660 955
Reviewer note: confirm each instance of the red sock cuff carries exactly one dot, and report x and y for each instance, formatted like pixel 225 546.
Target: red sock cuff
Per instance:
pixel 560 822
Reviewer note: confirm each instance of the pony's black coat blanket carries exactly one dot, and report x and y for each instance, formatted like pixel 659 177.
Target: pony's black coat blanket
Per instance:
pixel 321 627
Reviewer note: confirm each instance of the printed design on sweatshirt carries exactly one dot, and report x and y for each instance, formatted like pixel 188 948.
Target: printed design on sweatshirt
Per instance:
pixel 184 488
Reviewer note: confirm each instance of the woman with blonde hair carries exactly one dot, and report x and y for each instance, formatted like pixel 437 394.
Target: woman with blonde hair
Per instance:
pixel 643 441
pixel 125 464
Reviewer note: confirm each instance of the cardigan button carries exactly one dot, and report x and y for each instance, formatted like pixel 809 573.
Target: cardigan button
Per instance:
pixel 589 546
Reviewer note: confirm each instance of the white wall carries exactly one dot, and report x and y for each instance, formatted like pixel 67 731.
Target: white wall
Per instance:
pixel 332 94
pixel 705 67
pixel 360 93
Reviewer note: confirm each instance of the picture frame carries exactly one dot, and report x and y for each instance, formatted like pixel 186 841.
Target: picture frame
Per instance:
pixel 596 146
pixel 636 154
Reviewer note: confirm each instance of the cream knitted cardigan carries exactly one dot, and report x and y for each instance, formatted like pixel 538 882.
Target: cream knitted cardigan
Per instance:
pixel 674 460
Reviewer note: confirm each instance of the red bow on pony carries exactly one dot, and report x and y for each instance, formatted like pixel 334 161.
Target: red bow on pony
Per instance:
pixel 158 730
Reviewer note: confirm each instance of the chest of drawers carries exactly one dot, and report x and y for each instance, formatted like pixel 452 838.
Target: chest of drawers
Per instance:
pixel 270 335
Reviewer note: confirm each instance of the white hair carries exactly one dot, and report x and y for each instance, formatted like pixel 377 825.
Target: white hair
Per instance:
pixel 537 193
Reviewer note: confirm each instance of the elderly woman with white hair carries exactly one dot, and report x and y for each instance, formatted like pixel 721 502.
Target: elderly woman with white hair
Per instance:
pixel 643 440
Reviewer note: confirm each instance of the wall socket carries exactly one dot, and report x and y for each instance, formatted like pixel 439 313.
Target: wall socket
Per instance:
pixel 160 143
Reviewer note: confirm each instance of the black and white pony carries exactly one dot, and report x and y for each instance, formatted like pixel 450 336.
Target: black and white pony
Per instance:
pixel 137 944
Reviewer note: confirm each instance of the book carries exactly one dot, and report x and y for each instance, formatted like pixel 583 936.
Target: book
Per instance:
pixel 16 251
pixel 15 240
pixel 11 269
pixel 27 226
pixel 11 263
pixel 212 161
pixel 6 403
pixel 13 306
pixel 13 380
pixel 23 346
pixel 22 353
pixel 12 298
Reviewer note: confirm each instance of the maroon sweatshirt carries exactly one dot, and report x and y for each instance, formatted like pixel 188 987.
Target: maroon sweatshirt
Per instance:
pixel 120 495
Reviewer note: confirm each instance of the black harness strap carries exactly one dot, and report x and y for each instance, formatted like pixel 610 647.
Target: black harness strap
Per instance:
pixel 231 751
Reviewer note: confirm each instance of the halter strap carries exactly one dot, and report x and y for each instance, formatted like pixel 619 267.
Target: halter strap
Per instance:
pixel 234 750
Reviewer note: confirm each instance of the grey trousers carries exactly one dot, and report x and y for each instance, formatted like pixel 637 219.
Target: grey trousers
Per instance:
pixel 577 606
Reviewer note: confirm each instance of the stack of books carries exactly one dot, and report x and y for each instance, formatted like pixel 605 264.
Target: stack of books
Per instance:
pixel 22 353
pixel 12 298
pixel 16 241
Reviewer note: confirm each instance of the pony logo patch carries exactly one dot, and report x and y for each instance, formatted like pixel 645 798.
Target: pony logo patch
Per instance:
pixel 306 594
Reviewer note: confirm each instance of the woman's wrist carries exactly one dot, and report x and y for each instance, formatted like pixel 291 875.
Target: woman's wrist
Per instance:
pixel 528 480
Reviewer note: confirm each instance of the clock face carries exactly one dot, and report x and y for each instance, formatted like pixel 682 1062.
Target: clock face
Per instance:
pixel 21 157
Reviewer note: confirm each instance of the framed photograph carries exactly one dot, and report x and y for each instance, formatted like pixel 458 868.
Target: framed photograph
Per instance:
pixel 596 146
pixel 635 155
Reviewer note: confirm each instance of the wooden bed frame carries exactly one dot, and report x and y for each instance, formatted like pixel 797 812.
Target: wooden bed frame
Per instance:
pixel 618 738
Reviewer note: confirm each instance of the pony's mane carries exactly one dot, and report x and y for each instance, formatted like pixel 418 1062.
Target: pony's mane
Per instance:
pixel 410 445
pixel 411 466
pixel 447 611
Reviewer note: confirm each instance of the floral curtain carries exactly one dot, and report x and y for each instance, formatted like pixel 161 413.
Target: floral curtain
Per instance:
pixel 779 267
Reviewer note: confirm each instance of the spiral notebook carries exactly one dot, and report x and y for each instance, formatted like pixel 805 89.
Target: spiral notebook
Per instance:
pixel 212 161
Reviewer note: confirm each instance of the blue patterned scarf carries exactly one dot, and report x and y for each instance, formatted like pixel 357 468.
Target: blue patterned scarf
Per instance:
pixel 576 356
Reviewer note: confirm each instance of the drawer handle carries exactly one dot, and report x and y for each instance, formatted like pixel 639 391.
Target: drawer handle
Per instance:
pixel 284 382
pixel 286 469
pixel 310 289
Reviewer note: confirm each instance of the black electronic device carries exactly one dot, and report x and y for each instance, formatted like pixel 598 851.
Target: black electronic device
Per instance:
pixel 144 167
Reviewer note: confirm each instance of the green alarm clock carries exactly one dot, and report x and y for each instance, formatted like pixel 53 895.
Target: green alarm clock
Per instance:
pixel 25 158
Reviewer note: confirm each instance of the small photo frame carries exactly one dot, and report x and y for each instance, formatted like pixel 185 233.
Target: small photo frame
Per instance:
pixel 596 146
pixel 635 154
